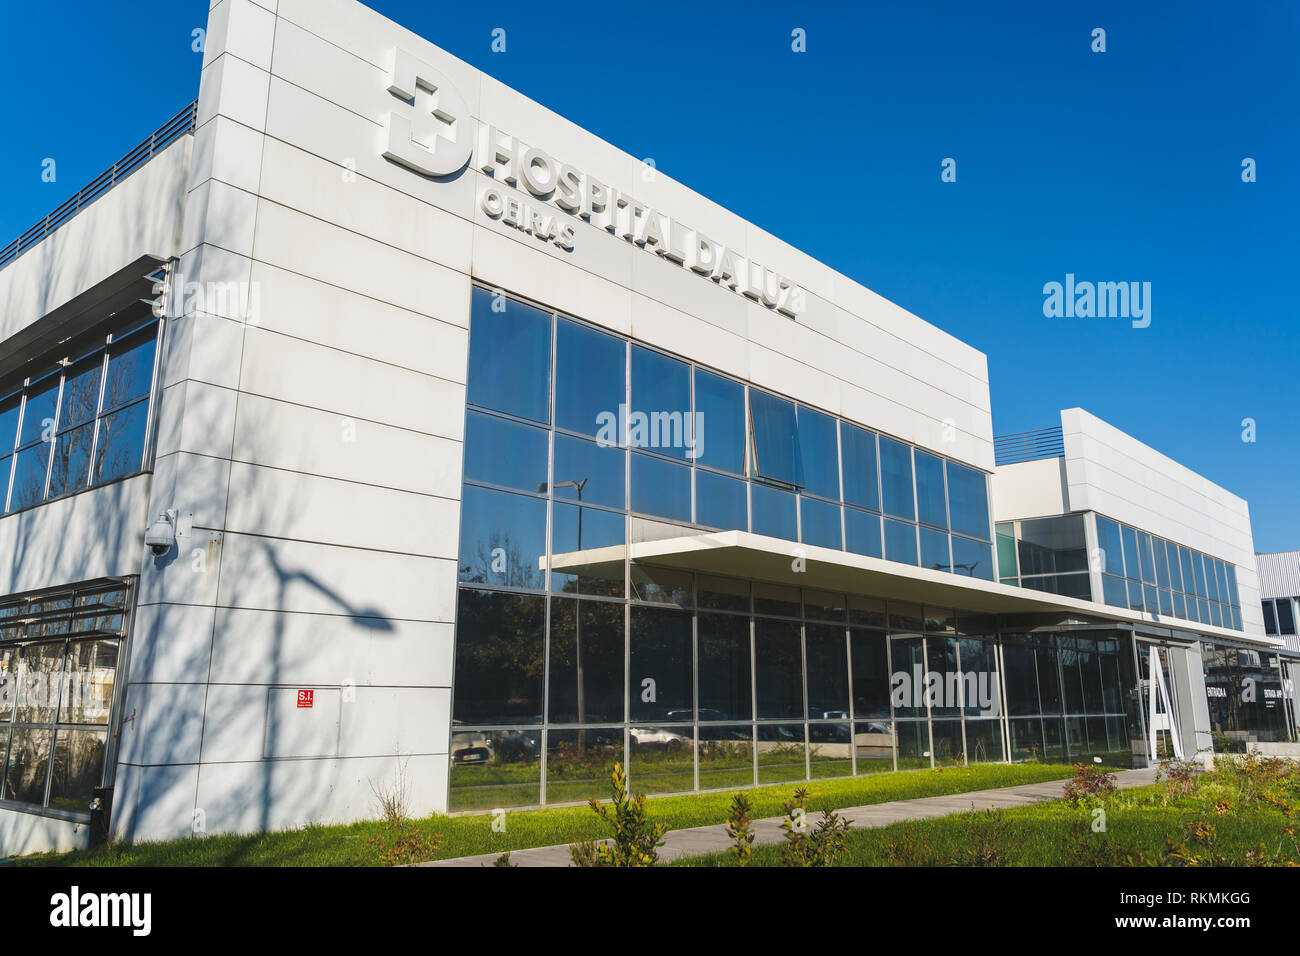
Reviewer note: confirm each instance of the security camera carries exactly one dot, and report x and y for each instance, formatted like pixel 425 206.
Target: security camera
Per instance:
pixel 161 533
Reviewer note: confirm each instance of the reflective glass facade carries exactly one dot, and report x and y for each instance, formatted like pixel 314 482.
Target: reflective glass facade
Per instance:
pixel 82 421
pixel 569 658
pixel 1250 694
pixel 59 653
pixel 1046 554
pixel 1144 573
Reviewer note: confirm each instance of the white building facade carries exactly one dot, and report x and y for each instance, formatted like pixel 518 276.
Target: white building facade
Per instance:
pixel 483 455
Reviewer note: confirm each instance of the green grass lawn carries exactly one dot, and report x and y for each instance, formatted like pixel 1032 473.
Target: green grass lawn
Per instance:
pixel 472 834
pixel 1218 821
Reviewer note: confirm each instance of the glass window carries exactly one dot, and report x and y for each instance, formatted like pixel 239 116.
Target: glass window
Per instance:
pixel 1162 562
pixel 974 558
pixel 41 409
pixel 726 756
pixel 1270 618
pixel 10 407
pixel 502 538
pixel 777 599
pixel 907 693
pixel 575 532
pixel 589 381
pixel 862 533
pixel 861 481
pixel 1171 561
pixel 661 686
pixel 130 368
pixel 509 356
pixel 720 417
pixel 1198 571
pixel 88 682
pixel 867 611
pixel 900 542
pixel 870 673
pixel 80 398
pixel 1021 676
pixel 1212 579
pixel 896 479
pixel 941 655
pixel 777 454
pixel 499 657
pixel 586 663
pixel 661 488
pixel 723 594
pixel 495 768
pixel 1189 577
pixel 661 395
pixel 820 523
pixel 934 550
pixel 579 763
pixel 773 512
pixel 70 465
pixel 1132 565
pixel 721 502
pixel 725 691
pixel 931 497
pixel 823 605
pixel 78 767
pixel 778 669
pixel 28 767
pixel 1111 543
pixel 1052 545
pixel 828 672
pixel 588 472
pixel 121 447
pixel 781 753
pixel 1008 567
pixel 1145 552
pixel 821 454
pixel 1285 616
pixel 830 751
pixel 662 585
pixel 661 759
pixel 502 452
pixel 968 501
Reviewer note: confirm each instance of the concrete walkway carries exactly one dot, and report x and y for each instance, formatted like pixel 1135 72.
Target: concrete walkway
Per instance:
pixel 713 839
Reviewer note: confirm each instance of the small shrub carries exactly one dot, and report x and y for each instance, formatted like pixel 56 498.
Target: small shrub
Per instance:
pixel 740 829
pixel 822 846
pixel 1197 847
pixel 504 860
pixel 405 849
pixel 1089 782
pixel 636 840
pixel 1179 779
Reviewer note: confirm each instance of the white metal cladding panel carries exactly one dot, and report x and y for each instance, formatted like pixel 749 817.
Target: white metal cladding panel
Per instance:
pixel 1116 475
pixel 1279 574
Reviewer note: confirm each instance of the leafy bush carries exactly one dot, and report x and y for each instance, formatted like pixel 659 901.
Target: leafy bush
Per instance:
pixel 405 849
pixel 821 846
pixel 740 829
pixel 1089 782
pixel 1179 778
pixel 636 840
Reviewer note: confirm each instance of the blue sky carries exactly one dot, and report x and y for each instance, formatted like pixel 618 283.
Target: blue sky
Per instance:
pixel 1115 166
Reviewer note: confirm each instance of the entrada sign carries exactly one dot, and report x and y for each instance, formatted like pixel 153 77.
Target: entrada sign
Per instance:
pixel 436 141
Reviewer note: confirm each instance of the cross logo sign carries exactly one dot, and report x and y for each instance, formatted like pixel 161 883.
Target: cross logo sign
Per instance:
pixel 432 137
